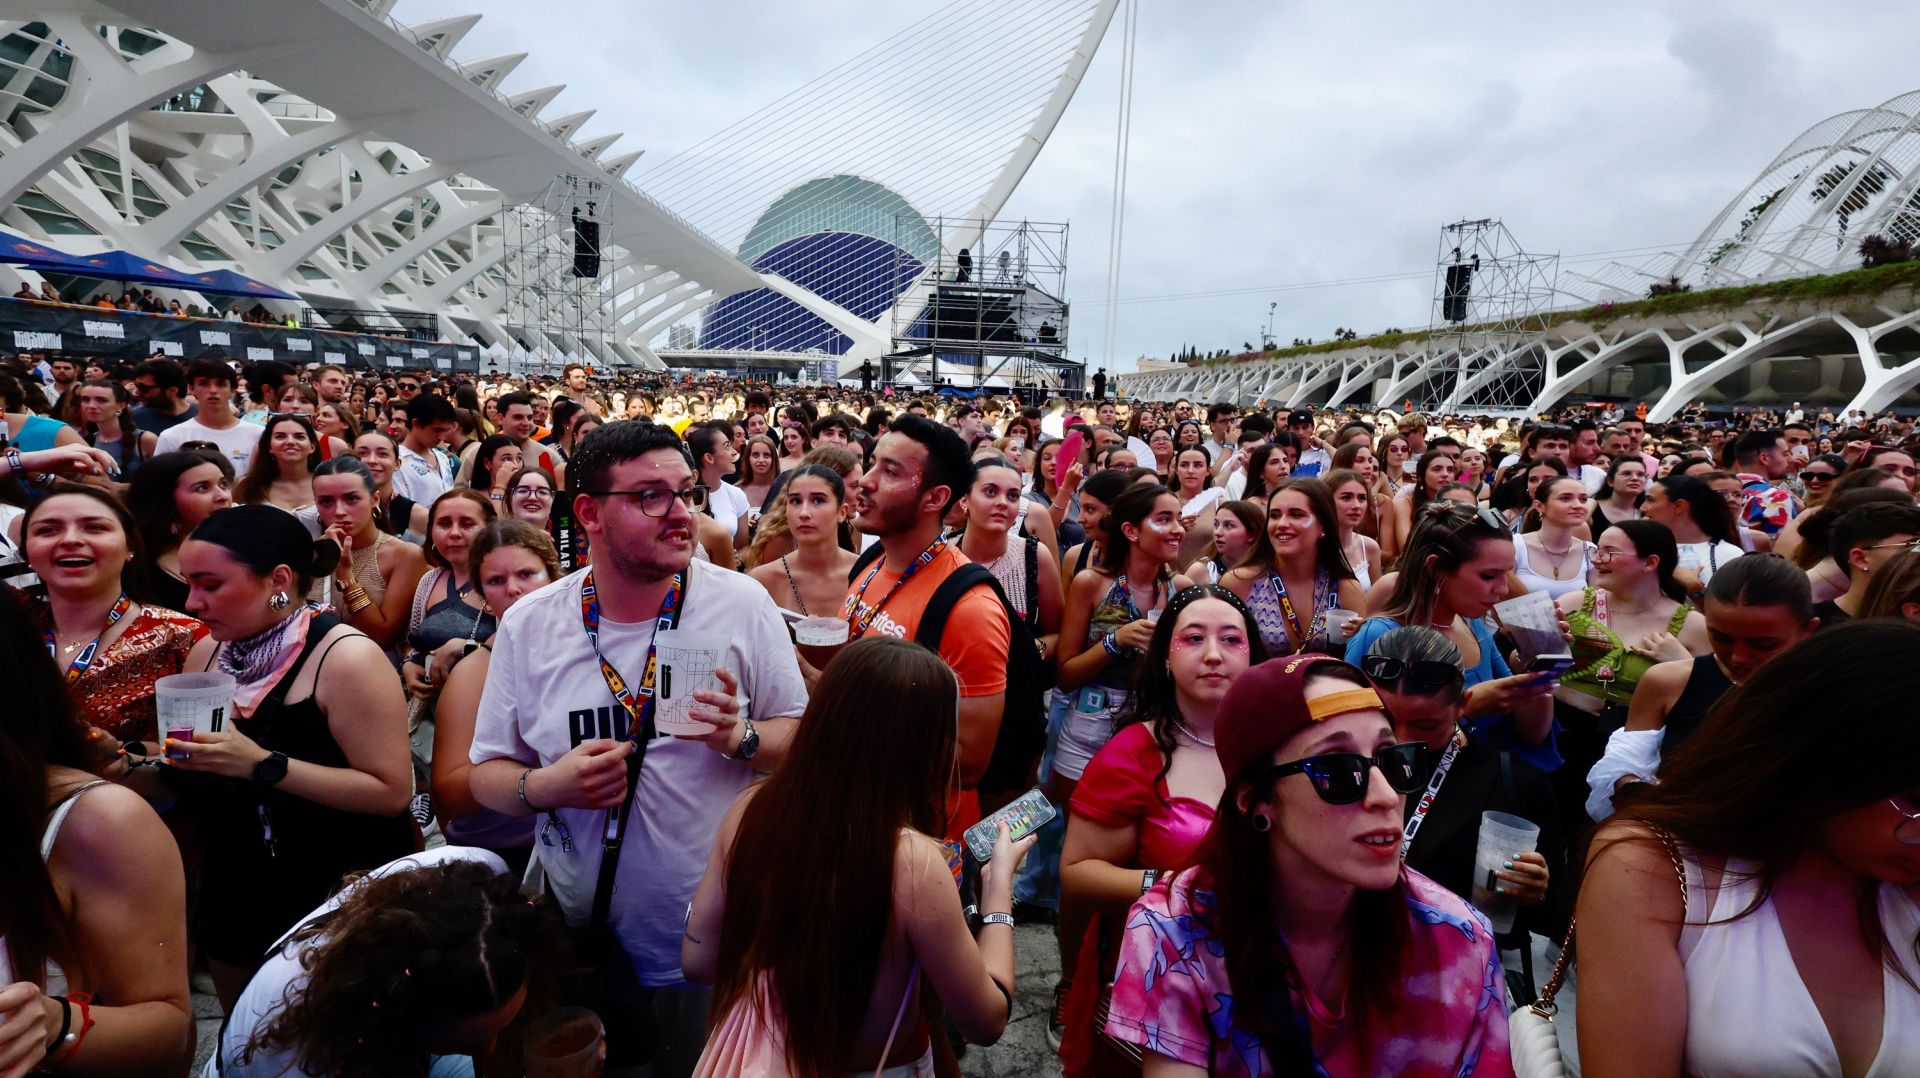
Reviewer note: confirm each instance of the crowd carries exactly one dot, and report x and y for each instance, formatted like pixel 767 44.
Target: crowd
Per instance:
pixel 680 701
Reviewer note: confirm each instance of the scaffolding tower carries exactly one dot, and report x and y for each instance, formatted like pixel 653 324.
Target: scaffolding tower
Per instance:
pixel 1488 321
pixel 987 309
pixel 559 273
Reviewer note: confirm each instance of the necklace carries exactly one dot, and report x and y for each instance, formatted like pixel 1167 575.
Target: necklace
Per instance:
pixel 1181 727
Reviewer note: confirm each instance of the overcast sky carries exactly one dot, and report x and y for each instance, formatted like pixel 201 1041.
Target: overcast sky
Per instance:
pixel 1283 144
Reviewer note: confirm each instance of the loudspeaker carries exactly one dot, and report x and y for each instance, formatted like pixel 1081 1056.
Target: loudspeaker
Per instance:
pixel 586 246
pixel 1453 299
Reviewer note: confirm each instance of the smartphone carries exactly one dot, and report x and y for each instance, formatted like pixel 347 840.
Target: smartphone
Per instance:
pixel 1551 665
pixel 1025 815
pixel 426 665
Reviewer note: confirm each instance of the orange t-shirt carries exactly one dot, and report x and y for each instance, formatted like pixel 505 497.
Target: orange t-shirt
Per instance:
pixel 976 638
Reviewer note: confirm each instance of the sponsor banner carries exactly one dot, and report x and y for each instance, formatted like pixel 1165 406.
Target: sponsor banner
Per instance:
pixel 338 359
pixel 134 336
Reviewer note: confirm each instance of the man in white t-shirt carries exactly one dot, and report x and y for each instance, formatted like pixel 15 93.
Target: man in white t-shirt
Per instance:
pixel 424 472
pixel 551 735
pixel 211 383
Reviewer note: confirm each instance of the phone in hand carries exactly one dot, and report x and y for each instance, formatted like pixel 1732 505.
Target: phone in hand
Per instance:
pixel 1026 814
pixel 1551 665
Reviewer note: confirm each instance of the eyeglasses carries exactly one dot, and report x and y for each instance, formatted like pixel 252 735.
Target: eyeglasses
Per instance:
pixel 657 501
pixel 1604 555
pixel 1907 831
pixel 531 492
pixel 1904 544
pixel 409 387
pixel 1816 477
pixel 1425 674
pixel 1340 778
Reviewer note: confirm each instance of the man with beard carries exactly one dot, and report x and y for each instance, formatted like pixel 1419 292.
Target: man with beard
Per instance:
pixel 919 468
pixel 572 675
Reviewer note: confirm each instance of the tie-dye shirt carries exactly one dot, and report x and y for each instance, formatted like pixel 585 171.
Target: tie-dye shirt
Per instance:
pixel 1171 995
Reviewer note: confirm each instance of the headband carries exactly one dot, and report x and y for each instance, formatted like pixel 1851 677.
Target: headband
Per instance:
pixel 1322 708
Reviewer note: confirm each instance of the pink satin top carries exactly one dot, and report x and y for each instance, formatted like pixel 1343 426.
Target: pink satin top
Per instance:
pixel 1123 786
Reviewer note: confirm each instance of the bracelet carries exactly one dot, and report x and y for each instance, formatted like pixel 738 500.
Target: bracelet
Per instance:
pixel 66 1023
pixel 15 464
pixel 1112 647
pixel 996 919
pixel 523 791
pixel 1147 879
pixel 85 1001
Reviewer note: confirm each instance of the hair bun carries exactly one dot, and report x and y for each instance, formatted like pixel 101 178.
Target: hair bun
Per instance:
pixel 326 556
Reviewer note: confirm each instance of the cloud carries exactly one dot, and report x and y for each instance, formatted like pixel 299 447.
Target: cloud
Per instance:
pixel 1286 143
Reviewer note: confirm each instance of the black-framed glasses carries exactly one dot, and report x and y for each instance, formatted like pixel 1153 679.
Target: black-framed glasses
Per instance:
pixel 1903 544
pixel 1425 675
pixel 409 387
pixel 1340 778
pixel 658 501
pixel 1817 477
pixel 1907 831
pixel 532 492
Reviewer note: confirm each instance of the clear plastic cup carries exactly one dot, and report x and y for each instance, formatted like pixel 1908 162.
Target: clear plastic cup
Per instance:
pixel 567 1043
pixel 186 704
pixel 687 663
pixel 1336 623
pixel 820 639
pixel 1501 836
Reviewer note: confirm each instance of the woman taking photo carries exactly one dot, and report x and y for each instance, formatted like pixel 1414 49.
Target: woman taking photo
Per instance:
pixel 374 578
pixel 1555 557
pixel 811 580
pixel 93 916
pixel 1300 911
pixel 1235 527
pixel 1146 800
pixel 1635 615
pixel 446 614
pixel 1619 497
pixel 170 496
pixel 104 420
pixel 1353 503
pixel 1417 674
pixel 1106 624
pixel 1295 572
pixel 394 514
pixel 508 559
pixel 109 646
pixel 817 963
pixel 1456 566
pixel 309 779
pixel 281 472
pixel 1760 919
pixel 1435 469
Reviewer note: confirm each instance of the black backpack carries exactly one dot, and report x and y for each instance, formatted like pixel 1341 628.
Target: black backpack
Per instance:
pixel 1023 715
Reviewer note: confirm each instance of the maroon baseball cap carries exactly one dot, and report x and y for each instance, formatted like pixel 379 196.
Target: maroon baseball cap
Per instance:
pixel 1267 704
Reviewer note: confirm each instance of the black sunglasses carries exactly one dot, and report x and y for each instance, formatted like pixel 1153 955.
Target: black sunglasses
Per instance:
pixel 1426 675
pixel 1340 778
pixel 1817 477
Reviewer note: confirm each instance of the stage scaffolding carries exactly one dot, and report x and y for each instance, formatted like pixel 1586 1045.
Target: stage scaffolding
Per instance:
pixel 559 271
pixel 1489 316
pixel 988 311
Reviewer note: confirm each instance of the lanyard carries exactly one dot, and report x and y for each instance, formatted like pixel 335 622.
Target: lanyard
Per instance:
pixel 859 614
pixel 1433 790
pixel 84 660
pixel 640 709
pixel 1300 636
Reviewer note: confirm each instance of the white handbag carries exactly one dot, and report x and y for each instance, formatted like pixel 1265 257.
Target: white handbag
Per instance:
pixel 1532 1038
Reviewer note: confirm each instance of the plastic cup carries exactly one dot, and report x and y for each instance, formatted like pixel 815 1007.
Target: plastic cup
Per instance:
pixel 687 662
pixel 567 1043
pixel 1153 616
pixel 1336 622
pixel 1501 836
pixel 186 704
pixel 820 639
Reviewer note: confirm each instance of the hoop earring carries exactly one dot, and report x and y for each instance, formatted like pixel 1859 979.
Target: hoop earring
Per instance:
pixel 278 601
pixel 1262 822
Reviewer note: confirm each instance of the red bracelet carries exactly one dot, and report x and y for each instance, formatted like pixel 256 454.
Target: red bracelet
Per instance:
pixel 84 1000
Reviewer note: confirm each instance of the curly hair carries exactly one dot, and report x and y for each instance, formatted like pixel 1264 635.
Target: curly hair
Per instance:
pixel 409 950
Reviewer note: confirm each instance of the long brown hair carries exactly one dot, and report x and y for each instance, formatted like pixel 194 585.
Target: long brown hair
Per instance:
pixel 1236 863
pixel 813 924
pixel 265 467
pixel 1328 554
pixel 1820 729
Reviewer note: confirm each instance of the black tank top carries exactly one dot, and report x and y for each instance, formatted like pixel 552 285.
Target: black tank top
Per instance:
pixel 1705 686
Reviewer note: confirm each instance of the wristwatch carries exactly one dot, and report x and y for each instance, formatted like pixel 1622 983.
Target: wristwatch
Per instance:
pixel 271 770
pixel 749 742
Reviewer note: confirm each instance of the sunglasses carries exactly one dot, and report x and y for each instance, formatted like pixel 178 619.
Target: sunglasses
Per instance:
pixel 1817 477
pixel 1424 674
pixel 1340 778
pixel 1907 831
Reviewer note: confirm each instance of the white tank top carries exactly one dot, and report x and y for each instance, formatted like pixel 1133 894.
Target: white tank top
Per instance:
pixel 1749 1012
pixel 56 981
pixel 1536 582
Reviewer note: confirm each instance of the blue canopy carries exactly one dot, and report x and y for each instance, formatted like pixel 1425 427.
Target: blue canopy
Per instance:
pixel 37 256
pixel 228 283
pixel 121 266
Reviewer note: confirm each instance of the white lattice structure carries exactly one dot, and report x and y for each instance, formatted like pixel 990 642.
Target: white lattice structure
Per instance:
pixel 328 150
pixel 1846 177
